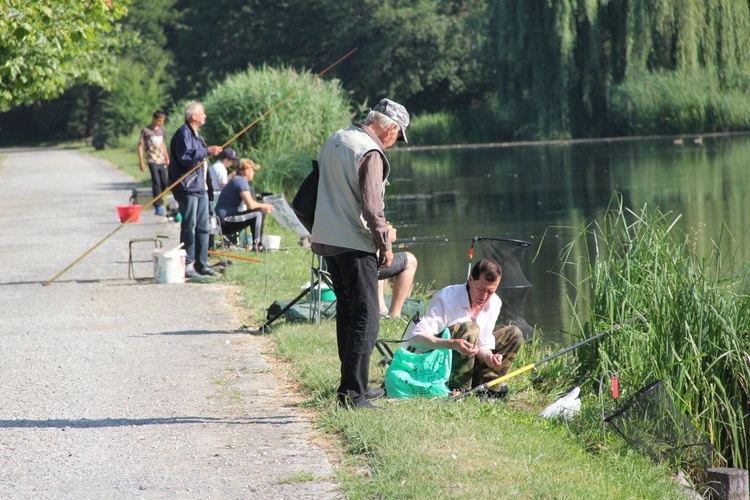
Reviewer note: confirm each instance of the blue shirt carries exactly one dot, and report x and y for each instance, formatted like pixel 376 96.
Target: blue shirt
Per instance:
pixel 186 150
pixel 230 197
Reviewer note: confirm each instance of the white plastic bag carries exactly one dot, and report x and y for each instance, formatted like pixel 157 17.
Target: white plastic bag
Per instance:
pixel 565 407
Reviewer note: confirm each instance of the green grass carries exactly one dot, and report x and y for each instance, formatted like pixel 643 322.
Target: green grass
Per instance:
pixel 696 313
pixel 429 448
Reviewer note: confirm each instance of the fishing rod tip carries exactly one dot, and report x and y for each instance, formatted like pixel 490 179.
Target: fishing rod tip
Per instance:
pixel 45 283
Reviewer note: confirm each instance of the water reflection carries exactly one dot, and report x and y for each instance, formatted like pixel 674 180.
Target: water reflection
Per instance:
pixel 440 199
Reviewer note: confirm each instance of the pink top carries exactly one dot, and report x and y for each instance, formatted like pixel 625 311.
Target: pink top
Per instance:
pixel 451 306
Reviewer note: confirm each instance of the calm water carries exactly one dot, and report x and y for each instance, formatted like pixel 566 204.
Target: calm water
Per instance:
pixel 440 199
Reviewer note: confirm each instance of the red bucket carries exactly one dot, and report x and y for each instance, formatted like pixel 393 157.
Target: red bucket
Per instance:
pixel 127 211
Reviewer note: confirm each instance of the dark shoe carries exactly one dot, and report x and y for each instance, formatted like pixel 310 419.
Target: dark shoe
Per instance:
pixel 207 272
pixel 347 402
pixel 374 393
pixel 490 395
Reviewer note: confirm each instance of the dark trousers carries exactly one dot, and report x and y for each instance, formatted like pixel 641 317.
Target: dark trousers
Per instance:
pixel 194 227
pixel 355 281
pixel 159 181
pixel 253 219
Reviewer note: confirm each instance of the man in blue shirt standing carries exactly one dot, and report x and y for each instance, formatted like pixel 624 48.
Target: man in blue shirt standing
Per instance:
pixel 188 150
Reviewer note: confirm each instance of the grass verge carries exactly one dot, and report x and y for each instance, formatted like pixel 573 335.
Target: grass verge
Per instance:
pixel 429 448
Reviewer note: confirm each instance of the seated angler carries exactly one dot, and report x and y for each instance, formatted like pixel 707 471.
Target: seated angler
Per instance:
pixel 470 310
pixel 237 206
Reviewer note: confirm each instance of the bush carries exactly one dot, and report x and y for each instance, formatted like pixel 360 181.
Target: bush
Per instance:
pixel 135 95
pixel 433 129
pixel 298 110
pixel 675 103
pixel 696 315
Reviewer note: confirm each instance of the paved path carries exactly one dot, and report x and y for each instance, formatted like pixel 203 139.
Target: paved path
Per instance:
pixel 114 388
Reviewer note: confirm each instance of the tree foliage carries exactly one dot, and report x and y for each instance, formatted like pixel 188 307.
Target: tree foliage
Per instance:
pixel 557 61
pixel 501 69
pixel 305 111
pixel 47 46
pixel 424 53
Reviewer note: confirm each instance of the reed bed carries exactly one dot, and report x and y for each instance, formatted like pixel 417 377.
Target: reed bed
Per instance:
pixel 696 318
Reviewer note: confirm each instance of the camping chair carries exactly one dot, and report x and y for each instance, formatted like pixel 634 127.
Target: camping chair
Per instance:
pixel 514 286
pixel 214 230
pixel 317 307
pixel 284 215
pixel 383 345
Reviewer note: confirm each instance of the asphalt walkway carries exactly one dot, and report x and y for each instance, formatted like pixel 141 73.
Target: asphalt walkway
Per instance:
pixel 119 388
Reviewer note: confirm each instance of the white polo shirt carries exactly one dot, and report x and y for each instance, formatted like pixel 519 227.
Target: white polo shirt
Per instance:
pixel 451 306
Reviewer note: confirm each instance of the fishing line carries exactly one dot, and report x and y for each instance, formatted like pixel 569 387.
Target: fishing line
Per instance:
pixel 205 161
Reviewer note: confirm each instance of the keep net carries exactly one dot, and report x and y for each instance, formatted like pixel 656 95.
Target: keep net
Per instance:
pixel 650 422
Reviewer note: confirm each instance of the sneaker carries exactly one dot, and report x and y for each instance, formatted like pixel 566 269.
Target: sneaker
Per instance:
pixel 161 211
pixel 190 271
pixel 374 393
pixel 207 272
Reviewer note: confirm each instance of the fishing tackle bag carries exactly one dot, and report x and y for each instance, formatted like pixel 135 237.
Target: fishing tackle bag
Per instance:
pixel 412 374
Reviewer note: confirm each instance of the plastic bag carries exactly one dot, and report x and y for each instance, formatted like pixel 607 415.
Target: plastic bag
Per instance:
pixel 413 374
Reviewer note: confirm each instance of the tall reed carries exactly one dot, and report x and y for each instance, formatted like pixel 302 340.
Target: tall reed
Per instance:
pixel 696 318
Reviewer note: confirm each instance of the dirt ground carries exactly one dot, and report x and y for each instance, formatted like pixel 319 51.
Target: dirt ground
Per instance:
pixel 118 388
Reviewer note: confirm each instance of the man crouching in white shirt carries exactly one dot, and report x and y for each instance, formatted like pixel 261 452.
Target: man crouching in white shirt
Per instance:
pixel 470 310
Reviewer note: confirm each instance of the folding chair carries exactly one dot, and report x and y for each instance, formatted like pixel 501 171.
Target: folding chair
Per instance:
pixel 318 277
pixel 383 345
pixel 514 286
pixel 214 230
pixel 284 215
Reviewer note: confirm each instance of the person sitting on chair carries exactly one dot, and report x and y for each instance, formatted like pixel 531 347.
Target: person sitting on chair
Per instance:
pixel 233 216
pixel 469 311
pixel 219 169
pixel 402 270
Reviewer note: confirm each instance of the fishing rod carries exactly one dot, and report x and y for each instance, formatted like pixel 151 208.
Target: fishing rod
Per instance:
pixel 530 366
pixel 233 256
pixel 205 160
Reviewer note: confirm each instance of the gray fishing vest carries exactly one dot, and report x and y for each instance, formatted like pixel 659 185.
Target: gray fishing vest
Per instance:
pixel 338 213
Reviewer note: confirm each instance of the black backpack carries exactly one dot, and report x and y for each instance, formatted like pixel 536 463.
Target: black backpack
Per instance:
pixel 306 198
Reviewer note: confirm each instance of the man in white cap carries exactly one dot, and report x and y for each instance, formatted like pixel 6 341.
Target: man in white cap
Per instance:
pixel 219 170
pixel 351 233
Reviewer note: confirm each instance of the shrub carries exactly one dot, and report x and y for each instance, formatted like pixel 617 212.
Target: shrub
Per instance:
pixel 135 94
pixel 434 129
pixel 298 110
pixel 675 103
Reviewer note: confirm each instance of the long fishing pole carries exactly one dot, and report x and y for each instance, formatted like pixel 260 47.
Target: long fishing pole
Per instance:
pixel 233 256
pixel 530 366
pixel 169 188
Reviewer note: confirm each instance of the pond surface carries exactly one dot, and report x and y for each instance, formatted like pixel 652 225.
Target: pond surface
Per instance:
pixel 440 199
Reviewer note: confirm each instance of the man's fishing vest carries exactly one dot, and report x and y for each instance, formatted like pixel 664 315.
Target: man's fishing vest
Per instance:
pixel 338 214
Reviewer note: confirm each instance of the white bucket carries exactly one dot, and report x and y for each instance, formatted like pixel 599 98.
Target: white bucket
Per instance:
pixel 271 242
pixel 169 266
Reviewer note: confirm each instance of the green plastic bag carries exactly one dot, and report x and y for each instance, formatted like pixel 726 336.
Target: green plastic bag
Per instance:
pixel 413 374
